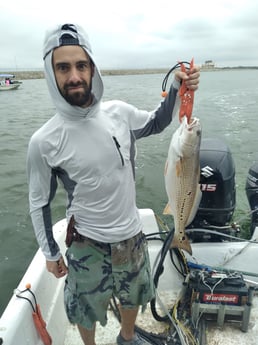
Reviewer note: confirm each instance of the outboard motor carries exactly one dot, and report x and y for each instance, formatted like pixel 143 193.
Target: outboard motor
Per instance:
pixel 251 189
pixel 217 184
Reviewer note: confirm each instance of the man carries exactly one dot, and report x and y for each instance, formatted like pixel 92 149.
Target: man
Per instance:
pixel 89 146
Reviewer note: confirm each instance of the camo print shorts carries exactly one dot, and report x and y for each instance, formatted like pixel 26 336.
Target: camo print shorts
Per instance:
pixel 97 270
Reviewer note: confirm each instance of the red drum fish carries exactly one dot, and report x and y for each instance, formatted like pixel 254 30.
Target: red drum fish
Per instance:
pixel 182 175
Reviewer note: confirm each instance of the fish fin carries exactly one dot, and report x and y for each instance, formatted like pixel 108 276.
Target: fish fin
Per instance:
pixel 196 203
pixel 182 244
pixel 166 168
pixel 167 209
pixel 178 167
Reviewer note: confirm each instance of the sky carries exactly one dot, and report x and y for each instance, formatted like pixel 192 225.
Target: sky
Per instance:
pixel 135 33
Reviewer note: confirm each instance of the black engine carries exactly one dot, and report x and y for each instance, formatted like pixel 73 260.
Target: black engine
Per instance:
pixel 217 184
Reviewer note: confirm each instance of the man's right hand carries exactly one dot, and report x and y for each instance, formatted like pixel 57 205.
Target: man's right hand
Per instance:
pixel 58 268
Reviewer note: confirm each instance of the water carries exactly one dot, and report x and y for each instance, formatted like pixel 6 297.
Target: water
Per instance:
pixel 226 103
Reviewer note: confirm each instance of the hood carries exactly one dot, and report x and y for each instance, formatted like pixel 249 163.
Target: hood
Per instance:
pixel 69 34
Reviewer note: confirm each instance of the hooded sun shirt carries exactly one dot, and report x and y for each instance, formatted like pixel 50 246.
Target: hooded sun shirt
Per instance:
pixel 91 152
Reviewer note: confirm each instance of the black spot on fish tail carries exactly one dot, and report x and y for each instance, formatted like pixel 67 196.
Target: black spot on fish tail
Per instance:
pixel 182 243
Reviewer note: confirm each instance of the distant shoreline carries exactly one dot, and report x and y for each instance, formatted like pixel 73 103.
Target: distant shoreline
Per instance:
pixel 23 75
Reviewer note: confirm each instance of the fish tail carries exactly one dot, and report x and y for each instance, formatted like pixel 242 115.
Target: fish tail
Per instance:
pixel 182 243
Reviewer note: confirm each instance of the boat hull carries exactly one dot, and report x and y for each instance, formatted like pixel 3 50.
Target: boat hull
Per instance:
pixel 9 87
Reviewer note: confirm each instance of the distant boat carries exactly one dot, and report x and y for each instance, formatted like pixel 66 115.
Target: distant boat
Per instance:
pixel 7 83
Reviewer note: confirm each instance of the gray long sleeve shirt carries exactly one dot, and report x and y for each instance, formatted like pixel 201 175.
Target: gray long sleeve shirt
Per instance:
pixel 91 151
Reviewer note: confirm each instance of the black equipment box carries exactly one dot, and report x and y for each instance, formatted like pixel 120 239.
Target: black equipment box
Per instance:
pixel 220 296
pixel 216 288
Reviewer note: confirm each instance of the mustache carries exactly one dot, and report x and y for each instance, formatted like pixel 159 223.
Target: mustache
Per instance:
pixel 79 83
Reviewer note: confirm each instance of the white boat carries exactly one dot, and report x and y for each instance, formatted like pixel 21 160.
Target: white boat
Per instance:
pixel 9 87
pixel 7 83
pixel 207 298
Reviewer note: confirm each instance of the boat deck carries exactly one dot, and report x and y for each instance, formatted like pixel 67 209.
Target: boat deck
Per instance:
pixel 229 334
pixel 16 322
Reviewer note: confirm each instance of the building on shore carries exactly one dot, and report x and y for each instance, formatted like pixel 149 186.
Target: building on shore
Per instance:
pixel 208 64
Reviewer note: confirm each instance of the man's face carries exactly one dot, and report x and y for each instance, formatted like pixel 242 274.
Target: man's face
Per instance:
pixel 73 72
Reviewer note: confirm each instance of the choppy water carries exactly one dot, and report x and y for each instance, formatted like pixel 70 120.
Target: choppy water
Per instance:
pixel 226 103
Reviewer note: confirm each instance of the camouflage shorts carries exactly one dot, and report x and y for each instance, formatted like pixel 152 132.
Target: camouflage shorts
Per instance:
pixel 97 270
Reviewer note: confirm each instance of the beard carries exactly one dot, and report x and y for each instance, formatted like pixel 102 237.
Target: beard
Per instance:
pixel 80 97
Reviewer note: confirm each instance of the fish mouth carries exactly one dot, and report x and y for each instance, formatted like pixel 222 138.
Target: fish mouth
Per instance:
pixel 193 121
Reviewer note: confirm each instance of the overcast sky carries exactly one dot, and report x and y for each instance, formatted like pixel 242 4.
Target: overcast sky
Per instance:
pixel 135 33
